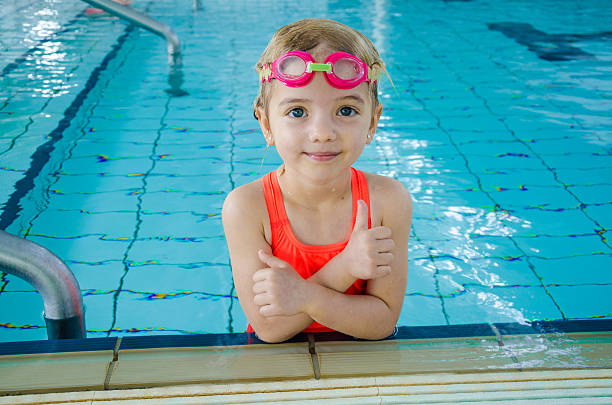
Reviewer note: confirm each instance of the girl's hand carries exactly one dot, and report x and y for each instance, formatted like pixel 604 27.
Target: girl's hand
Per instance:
pixel 278 289
pixel 368 252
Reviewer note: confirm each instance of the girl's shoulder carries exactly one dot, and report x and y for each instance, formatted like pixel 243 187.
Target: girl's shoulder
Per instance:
pixel 245 209
pixel 246 198
pixel 380 185
pixel 245 203
pixel 244 216
pixel 388 196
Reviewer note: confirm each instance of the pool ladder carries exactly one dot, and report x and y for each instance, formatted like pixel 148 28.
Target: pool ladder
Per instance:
pixel 136 17
pixel 35 264
pixel 175 76
pixel 54 281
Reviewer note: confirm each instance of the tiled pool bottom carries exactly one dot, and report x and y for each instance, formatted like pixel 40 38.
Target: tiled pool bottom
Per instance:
pixel 506 152
pixel 558 361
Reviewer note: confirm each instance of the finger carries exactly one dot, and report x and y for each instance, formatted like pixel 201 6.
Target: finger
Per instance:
pixel 261 275
pixel 383 259
pixel 259 288
pixel 268 310
pixel 262 299
pixel 361 218
pixel 382 271
pixel 265 257
pixel 381 232
pixel 271 260
pixel 384 245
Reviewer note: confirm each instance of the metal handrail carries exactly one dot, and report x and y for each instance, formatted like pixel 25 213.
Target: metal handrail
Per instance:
pixel 136 17
pixel 52 279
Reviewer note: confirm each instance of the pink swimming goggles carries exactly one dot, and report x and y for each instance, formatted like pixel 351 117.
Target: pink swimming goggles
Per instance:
pixel 296 69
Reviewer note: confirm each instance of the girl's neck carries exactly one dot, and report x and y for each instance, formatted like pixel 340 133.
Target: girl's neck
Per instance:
pixel 299 190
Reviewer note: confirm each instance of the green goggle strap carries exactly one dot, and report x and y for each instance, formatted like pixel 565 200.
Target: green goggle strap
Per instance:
pixel 318 67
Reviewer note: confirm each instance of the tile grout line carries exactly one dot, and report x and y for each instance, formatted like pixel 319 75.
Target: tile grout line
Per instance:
pixel 42 155
pixel 314 357
pixel 111 365
pixel 500 342
pixel 498 335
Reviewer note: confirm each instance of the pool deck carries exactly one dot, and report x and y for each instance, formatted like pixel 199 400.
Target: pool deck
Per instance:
pixel 485 362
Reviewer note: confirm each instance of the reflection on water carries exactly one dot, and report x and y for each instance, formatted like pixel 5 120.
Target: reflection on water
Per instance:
pixel 505 153
pixel 175 80
pixel 43 28
pixel 550 351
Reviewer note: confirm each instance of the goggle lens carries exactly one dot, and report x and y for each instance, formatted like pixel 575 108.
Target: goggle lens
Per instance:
pixel 291 67
pixel 347 69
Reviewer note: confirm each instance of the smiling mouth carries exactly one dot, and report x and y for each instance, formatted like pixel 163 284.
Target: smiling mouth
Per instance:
pixel 322 156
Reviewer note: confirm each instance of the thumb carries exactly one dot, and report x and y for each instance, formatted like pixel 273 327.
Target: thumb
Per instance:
pixel 361 218
pixel 271 260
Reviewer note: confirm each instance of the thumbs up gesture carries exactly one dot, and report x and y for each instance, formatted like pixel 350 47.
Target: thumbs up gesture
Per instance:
pixel 368 252
pixel 277 288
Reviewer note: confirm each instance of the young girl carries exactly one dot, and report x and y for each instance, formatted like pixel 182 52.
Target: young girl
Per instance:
pixel 317 245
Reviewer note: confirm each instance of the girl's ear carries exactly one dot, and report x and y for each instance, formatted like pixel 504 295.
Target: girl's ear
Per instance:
pixel 374 123
pixel 264 123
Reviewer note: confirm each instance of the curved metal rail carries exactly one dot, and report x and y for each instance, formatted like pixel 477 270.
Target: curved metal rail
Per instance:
pixel 52 279
pixel 136 17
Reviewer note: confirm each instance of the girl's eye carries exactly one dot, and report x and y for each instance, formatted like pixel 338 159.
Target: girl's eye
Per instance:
pixel 297 112
pixel 347 111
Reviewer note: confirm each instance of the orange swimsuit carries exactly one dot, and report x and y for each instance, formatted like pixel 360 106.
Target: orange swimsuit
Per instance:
pixel 308 259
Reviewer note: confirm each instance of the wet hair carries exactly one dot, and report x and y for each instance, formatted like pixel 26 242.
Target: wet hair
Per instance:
pixel 307 34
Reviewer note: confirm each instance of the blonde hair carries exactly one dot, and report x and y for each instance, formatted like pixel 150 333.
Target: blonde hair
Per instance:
pixel 308 33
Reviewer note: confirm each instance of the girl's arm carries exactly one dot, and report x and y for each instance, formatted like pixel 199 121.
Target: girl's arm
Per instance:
pixel 280 291
pixel 366 256
pixel 244 211
pixel 280 304
pixel 375 314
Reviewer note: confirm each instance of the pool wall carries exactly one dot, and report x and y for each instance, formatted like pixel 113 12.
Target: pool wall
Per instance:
pixel 417 364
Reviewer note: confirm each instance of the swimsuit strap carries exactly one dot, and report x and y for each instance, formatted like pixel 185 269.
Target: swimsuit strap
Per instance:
pixel 279 222
pixel 274 197
pixel 359 187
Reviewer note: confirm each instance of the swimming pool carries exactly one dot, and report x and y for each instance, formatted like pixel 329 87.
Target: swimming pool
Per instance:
pixel 499 125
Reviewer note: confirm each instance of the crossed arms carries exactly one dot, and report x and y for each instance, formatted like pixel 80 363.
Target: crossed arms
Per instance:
pixel 279 304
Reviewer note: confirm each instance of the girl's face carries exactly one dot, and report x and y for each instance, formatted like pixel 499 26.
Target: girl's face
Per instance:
pixel 319 131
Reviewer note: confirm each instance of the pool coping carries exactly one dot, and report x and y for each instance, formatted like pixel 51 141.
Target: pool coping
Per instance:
pixel 573 386
pixel 235 339
pixel 139 362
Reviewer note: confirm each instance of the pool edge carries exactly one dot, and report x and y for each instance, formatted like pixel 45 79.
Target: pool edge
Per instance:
pixel 133 363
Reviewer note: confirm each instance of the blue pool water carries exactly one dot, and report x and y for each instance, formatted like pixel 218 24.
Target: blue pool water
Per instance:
pixel 500 126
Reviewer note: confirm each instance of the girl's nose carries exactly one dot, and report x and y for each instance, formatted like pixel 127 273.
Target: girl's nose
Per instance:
pixel 322 130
